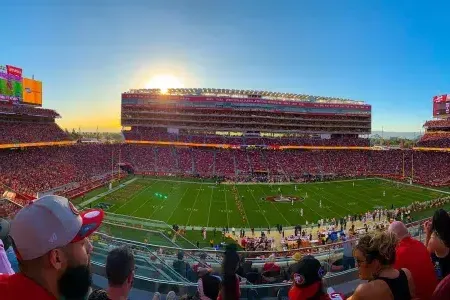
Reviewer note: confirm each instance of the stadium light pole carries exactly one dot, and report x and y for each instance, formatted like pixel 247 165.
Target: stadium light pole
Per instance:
pixel 112 165
pixel 403 165
pixel 118 167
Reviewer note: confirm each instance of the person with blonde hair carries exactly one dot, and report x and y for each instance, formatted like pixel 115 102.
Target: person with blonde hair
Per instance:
pixel 375 256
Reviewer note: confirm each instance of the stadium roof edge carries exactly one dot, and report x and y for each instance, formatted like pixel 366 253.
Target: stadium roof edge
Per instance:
pixel 237 93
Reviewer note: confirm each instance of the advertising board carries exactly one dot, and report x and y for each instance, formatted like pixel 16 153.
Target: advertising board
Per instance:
pixel 32 92
pixel 441 106
pixel 11 89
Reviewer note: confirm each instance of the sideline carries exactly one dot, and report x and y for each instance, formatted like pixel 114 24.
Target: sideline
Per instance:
pixel 415 185
pixel 296 183
pixel 93 199
pixel 176 181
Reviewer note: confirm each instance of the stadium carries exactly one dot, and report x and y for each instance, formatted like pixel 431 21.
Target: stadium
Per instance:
pixel 275 174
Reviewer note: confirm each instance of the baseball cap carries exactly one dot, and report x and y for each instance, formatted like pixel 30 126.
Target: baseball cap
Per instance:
pixel 51 222
pixel 308 271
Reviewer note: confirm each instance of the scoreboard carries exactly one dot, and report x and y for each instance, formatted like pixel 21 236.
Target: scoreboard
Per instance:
pixel 441 106
pixel 11 89
pixel 16 89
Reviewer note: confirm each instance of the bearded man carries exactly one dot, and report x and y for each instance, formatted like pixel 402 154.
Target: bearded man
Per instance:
pixel 50 239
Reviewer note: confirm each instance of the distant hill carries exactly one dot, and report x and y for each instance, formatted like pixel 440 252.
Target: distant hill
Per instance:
pixel 387 134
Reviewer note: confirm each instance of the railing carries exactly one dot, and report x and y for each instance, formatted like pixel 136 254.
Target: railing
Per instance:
pixel 156 269
pixel 157 266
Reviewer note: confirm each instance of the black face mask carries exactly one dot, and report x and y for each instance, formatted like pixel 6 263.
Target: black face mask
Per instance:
pixel 75 282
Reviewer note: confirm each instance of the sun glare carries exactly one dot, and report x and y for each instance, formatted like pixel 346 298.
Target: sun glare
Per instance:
pixel 164 82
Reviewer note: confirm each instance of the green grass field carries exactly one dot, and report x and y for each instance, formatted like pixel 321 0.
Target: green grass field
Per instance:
pixel 207 204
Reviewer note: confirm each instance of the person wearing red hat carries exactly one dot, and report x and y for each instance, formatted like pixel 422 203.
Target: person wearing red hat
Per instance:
pixel 50 238
pixel 307 277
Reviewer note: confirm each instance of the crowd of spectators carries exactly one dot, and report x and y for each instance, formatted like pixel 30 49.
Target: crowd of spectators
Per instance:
pixel 83 164
pixel 40 169
pixel 444 123
pixel 8 209
pixel 150 134
pixel 25 110
pixel 249 121
pixel 437 134
pixel 81 188
pixel 140 111
pixel 24 132
pixel 435 139
pixel 393 264
pixel 309 128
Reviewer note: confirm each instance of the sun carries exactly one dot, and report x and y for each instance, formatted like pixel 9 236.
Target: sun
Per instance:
pixel 164 82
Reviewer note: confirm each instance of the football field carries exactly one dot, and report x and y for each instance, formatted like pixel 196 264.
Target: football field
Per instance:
pixel 199 203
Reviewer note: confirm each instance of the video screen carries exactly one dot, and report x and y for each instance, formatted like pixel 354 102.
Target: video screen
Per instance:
pixel 441 105
pixel 11 88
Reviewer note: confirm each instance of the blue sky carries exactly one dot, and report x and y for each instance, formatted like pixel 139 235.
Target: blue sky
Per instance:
pixel 392 54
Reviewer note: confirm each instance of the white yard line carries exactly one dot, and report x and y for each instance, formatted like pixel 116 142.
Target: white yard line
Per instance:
pixel 142 205
pixel 316 212
pixel 181 181
pixel 288 223
pixel 259 207
pixel 151 200
pixel 226 208
pixel 193 205
pixel 334 203
pixel 99 196
pixel 132 198
pixel 210 202
pixel 178 204
pixel 292 183
pixel 415 185
pixel 403 200
pixel 156 209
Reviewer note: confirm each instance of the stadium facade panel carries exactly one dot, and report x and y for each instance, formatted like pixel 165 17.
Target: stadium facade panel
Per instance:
pixel 255 113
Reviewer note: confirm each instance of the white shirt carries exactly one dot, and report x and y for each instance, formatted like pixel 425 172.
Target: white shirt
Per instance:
pixel 5 265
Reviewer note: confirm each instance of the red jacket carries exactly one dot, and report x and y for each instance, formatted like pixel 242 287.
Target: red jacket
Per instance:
pixel 414 256
pixel 270 266
pixel 19 287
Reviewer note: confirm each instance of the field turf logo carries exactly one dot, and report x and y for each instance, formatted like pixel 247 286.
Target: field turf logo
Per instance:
pixel 282 199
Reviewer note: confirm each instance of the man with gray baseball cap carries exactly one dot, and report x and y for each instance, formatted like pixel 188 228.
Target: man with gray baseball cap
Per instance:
pixel 50 238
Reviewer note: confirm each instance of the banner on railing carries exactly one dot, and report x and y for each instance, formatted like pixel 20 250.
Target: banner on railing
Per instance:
pixel 232 146
pixel 39 144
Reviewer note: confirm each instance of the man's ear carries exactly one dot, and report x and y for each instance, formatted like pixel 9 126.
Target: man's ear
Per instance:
pixel 56 259
pixel 130 278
